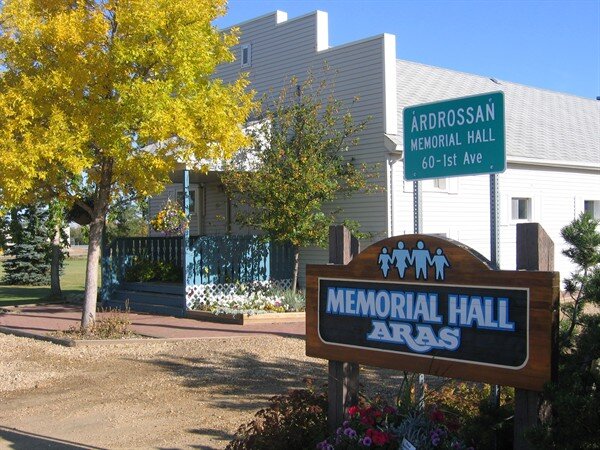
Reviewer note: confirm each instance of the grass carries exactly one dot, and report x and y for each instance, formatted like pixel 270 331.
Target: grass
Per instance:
pixel 72 282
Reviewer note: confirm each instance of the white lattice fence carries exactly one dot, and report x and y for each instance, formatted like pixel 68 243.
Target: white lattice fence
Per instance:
pixel 197 293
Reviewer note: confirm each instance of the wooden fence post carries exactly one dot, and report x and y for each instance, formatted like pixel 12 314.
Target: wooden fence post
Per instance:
pixel 343 376
pixel 535 251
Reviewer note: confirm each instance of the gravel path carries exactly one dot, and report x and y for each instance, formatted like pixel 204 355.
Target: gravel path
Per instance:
pixel 187 394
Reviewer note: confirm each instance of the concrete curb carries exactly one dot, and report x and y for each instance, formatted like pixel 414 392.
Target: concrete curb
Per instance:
pixel 148 339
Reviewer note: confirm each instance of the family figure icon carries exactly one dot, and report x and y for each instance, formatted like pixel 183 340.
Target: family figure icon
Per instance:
pixel 420 258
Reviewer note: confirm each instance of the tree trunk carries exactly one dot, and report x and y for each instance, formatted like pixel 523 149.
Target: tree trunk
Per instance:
pixel 55 290
pixel 91 274
pixel 98 215
pixel 296 268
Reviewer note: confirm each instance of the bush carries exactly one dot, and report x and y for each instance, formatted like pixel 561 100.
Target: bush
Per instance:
pixel 295 421
pixel 143 270
pixel 468 410
pixel 113 325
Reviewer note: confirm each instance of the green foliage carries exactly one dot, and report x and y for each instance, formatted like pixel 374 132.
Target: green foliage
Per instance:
pixel 295 421
pixel 100 98
pixel 80 235
pixel 297 166
pixel 291 300
pixel 574 422
pixel 29 262
pixel 468 409
pixel 127 219
pixel 146 270
pixel 583 249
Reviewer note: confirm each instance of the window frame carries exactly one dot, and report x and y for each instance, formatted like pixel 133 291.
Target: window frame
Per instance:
pixel 529 209
pixel 595 207
pixel 179 199
pixel 248 61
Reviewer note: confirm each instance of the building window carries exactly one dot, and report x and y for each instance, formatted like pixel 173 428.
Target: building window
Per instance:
pixel 246 55
pixel 592 207
pixel 192 200
pixel 440 183
pixel 521 208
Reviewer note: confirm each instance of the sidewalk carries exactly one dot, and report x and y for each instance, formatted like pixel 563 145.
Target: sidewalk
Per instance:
pixel 43 319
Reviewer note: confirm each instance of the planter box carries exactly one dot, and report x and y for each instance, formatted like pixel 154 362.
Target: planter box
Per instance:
pixel 245 319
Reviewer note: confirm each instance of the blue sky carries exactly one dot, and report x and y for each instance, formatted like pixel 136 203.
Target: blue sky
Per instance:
pixel 549 44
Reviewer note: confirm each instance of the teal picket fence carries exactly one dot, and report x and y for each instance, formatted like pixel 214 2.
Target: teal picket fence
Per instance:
pixel 206 260
pixel 229 259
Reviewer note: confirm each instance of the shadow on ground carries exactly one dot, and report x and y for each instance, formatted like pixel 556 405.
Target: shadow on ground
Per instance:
pixel 20 440
pixel 244 382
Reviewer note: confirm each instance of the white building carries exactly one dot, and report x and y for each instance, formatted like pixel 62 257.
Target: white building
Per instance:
pixel 552 141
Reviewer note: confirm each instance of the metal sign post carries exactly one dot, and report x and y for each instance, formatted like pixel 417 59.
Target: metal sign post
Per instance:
pixel 418 229
pixel 494 253
pixel 417 207
pixel 457 137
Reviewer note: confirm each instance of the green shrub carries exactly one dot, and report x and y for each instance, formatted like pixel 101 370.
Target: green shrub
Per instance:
pixel 468 409
pixel 143 270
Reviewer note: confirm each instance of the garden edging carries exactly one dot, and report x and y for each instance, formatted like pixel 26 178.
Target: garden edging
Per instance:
pixel 245 319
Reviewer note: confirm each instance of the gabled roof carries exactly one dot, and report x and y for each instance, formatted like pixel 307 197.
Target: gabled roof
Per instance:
pixel 540 124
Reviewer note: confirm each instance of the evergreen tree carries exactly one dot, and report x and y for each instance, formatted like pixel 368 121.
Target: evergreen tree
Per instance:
pixel 29 262
pixel 574 422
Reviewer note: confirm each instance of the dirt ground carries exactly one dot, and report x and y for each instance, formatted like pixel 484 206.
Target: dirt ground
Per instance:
pixel 186 394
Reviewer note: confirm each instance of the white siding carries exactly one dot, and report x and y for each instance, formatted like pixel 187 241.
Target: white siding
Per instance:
pixel 463 212
pixel 215 219
pixel 551 129
pixel 290 48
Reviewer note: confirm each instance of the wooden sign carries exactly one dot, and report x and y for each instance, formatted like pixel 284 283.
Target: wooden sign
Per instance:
pixel 431 305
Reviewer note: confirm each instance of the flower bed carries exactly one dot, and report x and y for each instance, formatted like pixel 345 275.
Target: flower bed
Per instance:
pixel 456 416
pixel 247 299
pixel 386 428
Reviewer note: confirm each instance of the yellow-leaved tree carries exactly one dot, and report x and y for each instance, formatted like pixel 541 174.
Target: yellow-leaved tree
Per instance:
pixel 103 97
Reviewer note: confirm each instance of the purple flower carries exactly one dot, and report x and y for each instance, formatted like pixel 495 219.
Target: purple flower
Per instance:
pixel 435 440
pixel 366 441
pixel 350 432
pixel 346 424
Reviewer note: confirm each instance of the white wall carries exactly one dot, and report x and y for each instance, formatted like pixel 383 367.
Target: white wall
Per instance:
pixel 284 48
pixel 462 213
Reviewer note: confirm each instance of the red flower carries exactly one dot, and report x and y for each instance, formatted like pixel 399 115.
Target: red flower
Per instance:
pixel 353 410
pixel 378 437
pixel 437 416
pixel 367 421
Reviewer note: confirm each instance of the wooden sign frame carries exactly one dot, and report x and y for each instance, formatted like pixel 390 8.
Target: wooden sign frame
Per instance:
pixel 456 270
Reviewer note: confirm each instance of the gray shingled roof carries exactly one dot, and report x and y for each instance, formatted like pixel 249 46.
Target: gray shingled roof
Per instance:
pixel 540 124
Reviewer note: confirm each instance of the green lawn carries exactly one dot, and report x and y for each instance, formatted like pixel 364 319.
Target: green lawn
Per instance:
pixel 72 281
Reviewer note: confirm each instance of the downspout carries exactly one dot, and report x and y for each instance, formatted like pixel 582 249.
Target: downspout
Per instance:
pixel 188 255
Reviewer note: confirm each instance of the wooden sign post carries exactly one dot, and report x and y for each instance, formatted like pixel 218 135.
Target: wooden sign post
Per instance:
pixel 431 305
pixel 342 387
pixel 535 251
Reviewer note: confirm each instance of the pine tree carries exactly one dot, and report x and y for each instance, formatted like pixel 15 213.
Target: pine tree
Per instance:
pixel 29 262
